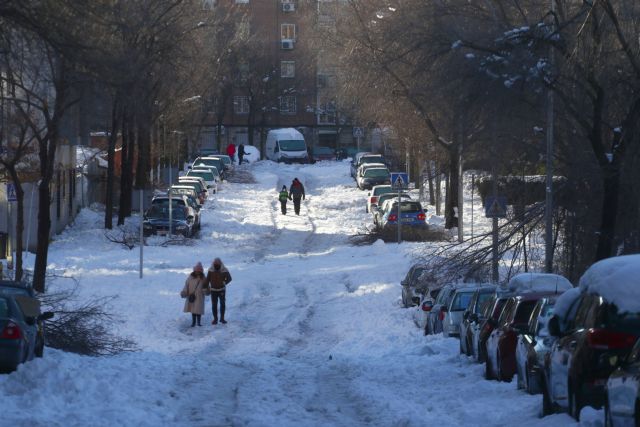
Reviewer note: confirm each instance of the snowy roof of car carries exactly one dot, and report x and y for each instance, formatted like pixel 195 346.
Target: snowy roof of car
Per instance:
pixel 538 282
pixel 564 302
pixel 616 280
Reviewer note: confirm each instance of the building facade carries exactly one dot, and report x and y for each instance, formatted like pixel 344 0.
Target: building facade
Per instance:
pixel 281 79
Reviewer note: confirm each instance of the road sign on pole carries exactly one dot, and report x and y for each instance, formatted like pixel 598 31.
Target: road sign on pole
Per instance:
pixel 495 207
pixel 358 132
pixel 399 180
pixel 11 192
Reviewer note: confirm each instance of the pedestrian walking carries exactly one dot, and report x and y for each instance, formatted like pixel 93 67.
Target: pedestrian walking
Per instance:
pixel 296 192
pixel 283 196
pixel 241 153
pixel 231 152
pixel 194 291
pixel 218 278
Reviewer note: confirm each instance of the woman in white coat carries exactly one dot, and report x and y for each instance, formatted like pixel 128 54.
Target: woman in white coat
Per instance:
pixel 194 292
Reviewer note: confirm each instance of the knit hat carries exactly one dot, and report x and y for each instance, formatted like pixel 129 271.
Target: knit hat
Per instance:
pixel 198 267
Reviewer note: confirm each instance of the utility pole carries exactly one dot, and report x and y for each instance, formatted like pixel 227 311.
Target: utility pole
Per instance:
pixel 549 161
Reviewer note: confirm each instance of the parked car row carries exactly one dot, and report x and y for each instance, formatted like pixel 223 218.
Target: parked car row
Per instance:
pixel 382 202
pixel 177 211
pixel 369 170
pixel 576 346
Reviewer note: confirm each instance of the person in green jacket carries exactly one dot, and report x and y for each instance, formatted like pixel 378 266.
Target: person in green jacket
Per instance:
pixel 283 196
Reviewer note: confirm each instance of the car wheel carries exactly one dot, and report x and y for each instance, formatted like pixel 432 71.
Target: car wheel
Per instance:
pixel 404 298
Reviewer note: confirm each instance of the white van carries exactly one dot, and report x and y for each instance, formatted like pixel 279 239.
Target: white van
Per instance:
pixel 286 145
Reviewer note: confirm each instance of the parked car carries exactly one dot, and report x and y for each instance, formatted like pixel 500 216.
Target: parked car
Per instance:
pixel 189 191
pixel 207 176
pixel 156 221
pixel 437 314
pixel 533 345
pixel 226 160
pixel 471 316
pixel 197 183
pixel 455 310
pixel 486 323
pixel 501 345
pixel 373 176
pixel 411 215
pixel 603 331
pixel 23 288
pixel 21 328
pixel 214 161
pixel 355 163
pixel 409 285
pixel 622 402
pixel 376 192
pixel 323 153
pixel 213 169
pixel 179 202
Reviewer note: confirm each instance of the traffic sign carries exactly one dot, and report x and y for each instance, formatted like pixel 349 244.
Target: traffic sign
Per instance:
pixel 399 180
pixel 358 132
pixel 495 207
pixel 11 192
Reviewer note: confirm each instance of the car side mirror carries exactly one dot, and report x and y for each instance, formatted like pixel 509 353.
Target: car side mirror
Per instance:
pixel 553 326
pixel 415 300
pixel 46 315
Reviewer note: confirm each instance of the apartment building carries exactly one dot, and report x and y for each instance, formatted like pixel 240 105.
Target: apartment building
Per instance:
pixel 283 82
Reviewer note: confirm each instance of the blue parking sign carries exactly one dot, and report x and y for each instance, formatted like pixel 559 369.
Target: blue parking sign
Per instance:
pixel 11 192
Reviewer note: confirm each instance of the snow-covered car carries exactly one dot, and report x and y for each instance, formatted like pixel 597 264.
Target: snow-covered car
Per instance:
pixel 623 392
pixel 410 283
pixel 253 154
pixel 485 325
pixel 438 313
pixel 323 153
pixel 208 177
pixel 605 328
pixel 197 183
pixel 188 190
pixel 411 215
pixel 459 303
pixel 226 160
pixel 364 158
pixel 375 193
pixel 355 163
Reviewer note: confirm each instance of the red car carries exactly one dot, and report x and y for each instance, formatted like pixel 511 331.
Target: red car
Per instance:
pixel 501 345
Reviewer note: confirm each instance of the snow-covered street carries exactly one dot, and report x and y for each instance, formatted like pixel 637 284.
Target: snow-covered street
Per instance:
pixel 316 333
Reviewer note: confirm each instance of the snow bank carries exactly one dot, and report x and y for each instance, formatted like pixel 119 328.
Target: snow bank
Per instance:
pixel 616 280
pixel 538 282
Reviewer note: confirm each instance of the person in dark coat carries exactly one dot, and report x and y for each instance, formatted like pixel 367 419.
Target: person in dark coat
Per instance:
pixel 241 153
pixel 296 192
pixel 283 196
pixel 218 278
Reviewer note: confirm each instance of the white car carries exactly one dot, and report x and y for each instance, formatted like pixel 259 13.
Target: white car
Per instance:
pixel 208 176
pixel 375 192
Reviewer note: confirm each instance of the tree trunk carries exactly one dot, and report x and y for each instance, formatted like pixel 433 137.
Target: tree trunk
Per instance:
pixel 451 197
pixel 113 136
pixel 143 125
pixel 19 219
pixel 611 188
pixel 219 132
pixel 432 199
pixel 438 190
pixel 125 170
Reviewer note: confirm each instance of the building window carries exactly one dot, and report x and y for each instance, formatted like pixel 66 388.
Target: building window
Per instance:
pixel 241 104
pixel 287 69
pixel 327 113
pixel 288 31
pixel 288 104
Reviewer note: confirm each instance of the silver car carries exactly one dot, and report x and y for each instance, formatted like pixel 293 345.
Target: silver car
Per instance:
pixel 456 308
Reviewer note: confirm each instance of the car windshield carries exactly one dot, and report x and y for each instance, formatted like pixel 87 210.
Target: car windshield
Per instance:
pixel 623 322
pixel 292 145
pixel 225 159
pixel 408 207
pixel 370 159
pixel 461 301
pixel 4 308
pixel 389 196
pixel 206 175
pixel 212 169
pixel 483 297
pixel 165 201
pixel 193 184
pixel 382 190
pixel 417 272
pixel 161 211
pixel 375 173
pixel 185 191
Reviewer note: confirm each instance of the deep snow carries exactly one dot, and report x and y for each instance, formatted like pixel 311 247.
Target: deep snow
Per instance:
pixel 316 334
